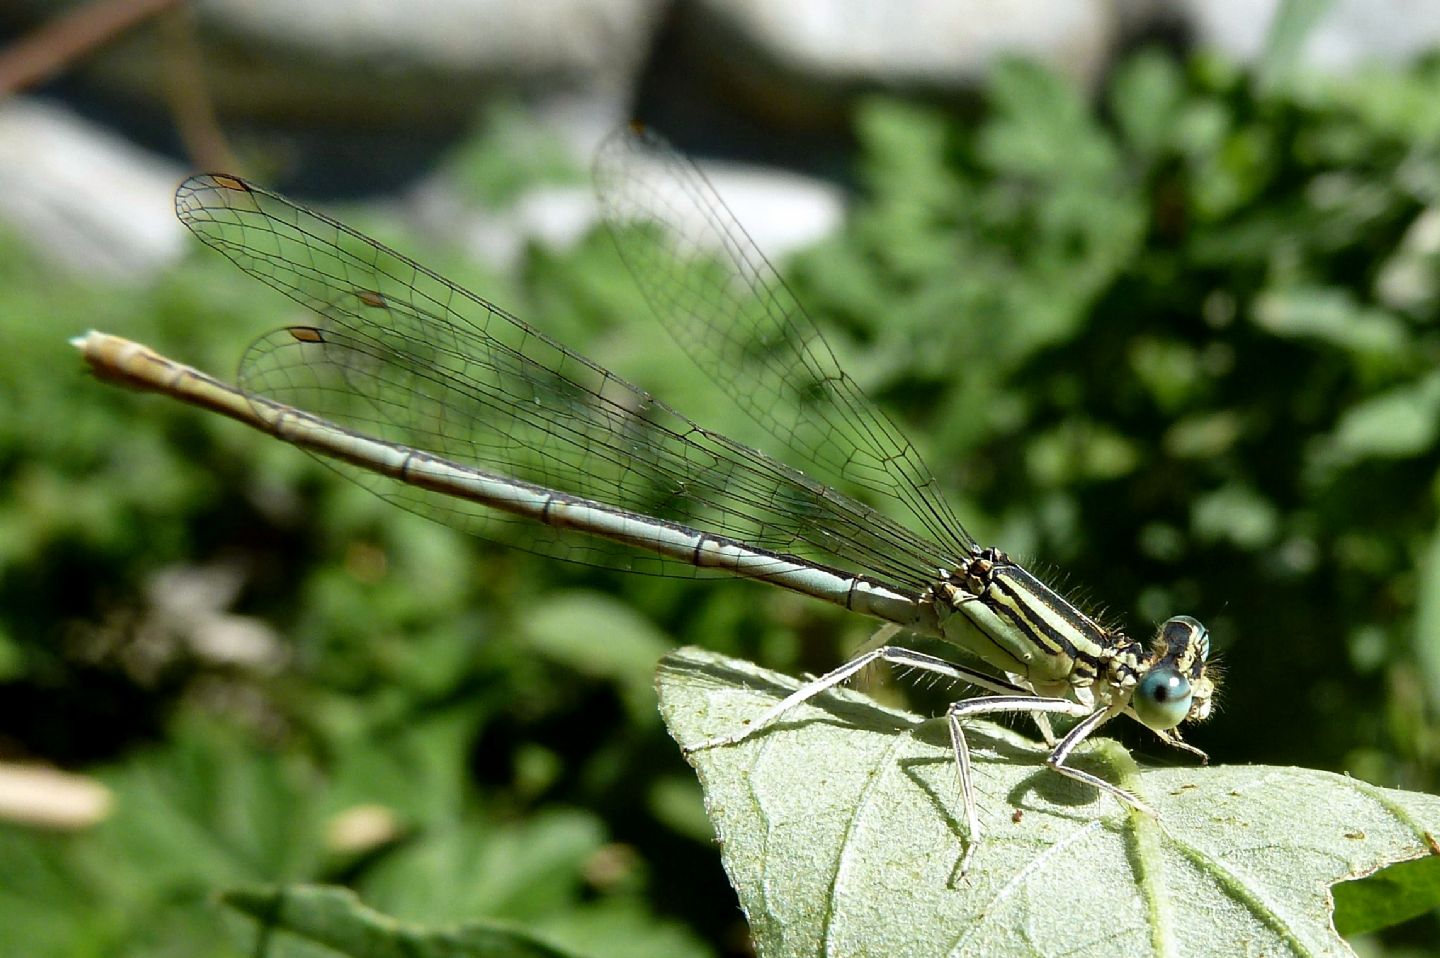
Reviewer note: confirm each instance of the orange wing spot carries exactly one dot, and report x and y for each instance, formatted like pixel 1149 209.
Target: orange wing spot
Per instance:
pixel 307 334
pixel 637 127
pixel 227 182
pixel 371 298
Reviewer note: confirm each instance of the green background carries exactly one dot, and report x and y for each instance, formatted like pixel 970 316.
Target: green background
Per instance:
pixel 1178 345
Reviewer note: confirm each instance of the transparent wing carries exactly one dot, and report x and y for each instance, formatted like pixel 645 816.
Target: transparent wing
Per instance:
pixel 746 330
pixel 404 356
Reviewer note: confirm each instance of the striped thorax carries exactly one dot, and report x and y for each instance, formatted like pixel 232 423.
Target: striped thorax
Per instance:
pixel 1029 631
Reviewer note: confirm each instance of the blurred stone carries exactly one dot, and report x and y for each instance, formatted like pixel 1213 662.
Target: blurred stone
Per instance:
pixel 1349 35
pixel 421 63
pixel 86 200
pixel 555 216
pixel 189 605
pixel 362 828
pixel 802 60
pixel 783 212
pixel 48 798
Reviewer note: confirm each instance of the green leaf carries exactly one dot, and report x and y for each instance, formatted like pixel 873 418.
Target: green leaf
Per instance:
pixel 336 918
pixel 1146 96
pixel 1042 127
pixel 599 636
pixel 1284 47
pixel 1394 424
pixel 841 831
pixel 1388 897
pixel 1333 316
pixel 1426 629
pixel 523 871
pixel 1237 514
pixel 203 811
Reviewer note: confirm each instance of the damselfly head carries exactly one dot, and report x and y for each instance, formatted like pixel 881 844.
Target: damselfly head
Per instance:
pixel 1176 687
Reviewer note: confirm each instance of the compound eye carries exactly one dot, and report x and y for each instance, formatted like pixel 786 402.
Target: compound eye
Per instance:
pixel 1162 700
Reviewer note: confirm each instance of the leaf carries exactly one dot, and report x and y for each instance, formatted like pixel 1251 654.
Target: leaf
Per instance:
pixel 565 630
pixel 1293 23
pixel 337 919
pixel 1147 94
pixel 1333 316
pixel 523 871
pixel 1235 513
pixel 204 810
pixel 1394 424
pixel 841 831
pixel 1388 897
pixel 1426 628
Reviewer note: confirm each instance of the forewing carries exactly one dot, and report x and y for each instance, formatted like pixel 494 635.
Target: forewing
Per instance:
pixel 402 355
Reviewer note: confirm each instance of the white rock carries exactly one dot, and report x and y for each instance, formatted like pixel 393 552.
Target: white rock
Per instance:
pixel 87 200
pixel 37 796
pixel 383 64
pixel 572 38
pixel 931 43
pixel 1349 35
pixel 781 211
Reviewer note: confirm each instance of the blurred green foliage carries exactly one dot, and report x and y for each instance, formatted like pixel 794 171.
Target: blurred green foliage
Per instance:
pixel 1180 343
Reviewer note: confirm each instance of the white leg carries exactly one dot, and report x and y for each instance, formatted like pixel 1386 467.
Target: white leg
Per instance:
pixel 1067 745
pixel 997 703
pixel 1042 722
pixel 895 655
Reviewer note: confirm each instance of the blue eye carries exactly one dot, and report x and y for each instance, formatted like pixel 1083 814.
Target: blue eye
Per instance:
pixel 1162 699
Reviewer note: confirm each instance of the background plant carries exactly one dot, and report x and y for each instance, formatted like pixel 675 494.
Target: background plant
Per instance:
pixel 1180 343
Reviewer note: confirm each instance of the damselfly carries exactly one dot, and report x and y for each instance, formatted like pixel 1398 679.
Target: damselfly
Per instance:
pixel 448 405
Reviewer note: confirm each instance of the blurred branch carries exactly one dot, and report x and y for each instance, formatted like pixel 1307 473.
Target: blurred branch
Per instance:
pixel 49 48
pixel 189 95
